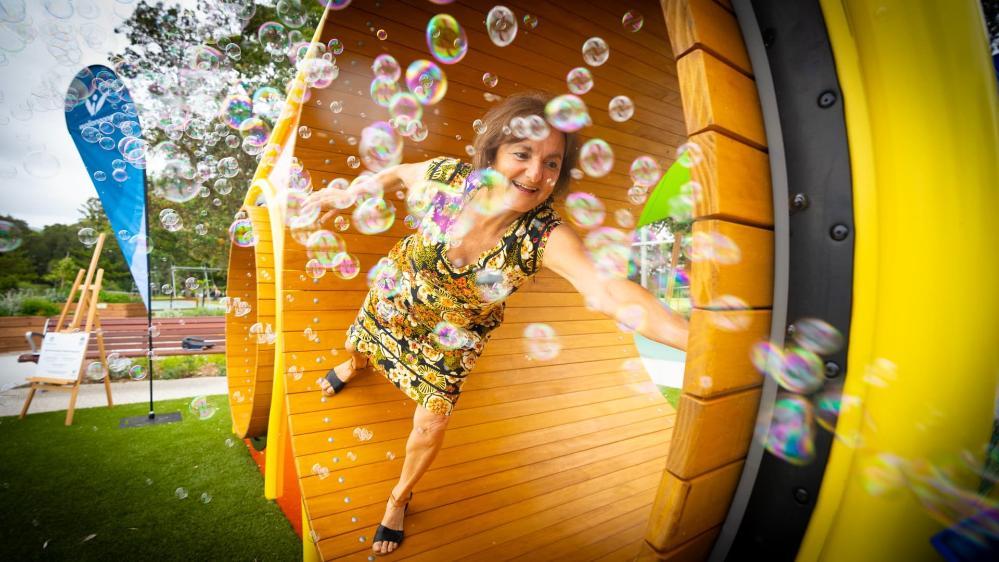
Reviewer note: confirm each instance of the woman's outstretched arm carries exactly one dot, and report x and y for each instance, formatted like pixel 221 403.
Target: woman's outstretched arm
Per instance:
pixel 401 176
pixel 565 255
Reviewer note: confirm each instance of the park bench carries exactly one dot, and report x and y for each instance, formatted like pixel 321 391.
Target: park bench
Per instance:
pixel 129 337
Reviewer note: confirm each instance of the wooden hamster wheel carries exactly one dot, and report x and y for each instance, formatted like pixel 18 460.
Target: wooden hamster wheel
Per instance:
pixel 574 455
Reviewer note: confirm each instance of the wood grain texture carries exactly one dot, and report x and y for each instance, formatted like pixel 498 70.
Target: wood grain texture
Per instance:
pixel 686 508
pixel 717 422
pixel 719 98
pixel 734 179
pixel 746 274
pixel 718 353
pixel 705 24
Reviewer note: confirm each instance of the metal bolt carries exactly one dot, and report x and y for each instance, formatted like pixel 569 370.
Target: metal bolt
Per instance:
pixel 839 232
pixel 769 34
pixel 827 99
pixel 832 369
pixel 799 201
pixel 801 495
pixel 790 331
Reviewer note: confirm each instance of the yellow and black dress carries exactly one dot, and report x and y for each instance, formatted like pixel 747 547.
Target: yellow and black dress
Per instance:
pixel 426 328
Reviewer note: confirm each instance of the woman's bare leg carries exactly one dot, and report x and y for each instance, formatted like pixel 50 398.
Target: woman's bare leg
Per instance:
pixel 424 442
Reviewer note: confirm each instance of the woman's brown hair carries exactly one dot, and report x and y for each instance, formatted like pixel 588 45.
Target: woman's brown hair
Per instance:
pixel 497 133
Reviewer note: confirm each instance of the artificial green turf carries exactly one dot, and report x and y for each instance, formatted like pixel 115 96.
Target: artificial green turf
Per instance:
pixel 59 485
pixel 672 395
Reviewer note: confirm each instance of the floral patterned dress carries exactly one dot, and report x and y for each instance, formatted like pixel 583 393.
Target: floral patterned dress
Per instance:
pixel 425 322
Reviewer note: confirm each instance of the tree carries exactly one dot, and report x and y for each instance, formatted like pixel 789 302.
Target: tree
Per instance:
pixel 179 67
pixel 62 270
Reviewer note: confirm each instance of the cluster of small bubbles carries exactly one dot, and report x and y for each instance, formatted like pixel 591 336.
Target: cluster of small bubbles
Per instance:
pixel 363 434
pixel 321 471
pixel 595 51
pixel 579 80
pixel 713 246
pixel 241 233
pixel 689 154
pixel 542 342
pixel 87 236
pixel 596 158
pixel 501 25
pixel 384 277
pixel 530 21
pixel 299 212
pixel 490 80
pixel 624 218
pixel 567 113
pixel 790 435
pixel 446 39
pixel 426 81
pixel 585 209
pixel 610 250
pixel 374 215
pixel 645 171
pixel 632 21
pixel 202 408
pixel 734 313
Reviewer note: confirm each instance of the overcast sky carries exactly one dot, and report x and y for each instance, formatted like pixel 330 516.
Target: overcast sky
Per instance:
pixel 47 200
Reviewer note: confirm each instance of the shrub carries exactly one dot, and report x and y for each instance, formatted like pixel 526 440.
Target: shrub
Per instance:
pixel 184 366
pixel 38 306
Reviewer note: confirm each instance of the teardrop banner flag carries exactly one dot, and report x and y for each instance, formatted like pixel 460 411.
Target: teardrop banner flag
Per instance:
pixel 104 124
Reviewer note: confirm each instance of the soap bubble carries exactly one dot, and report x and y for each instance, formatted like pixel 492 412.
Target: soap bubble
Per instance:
pixel 268 103
pixel 501 25
pixel 426 81
pixel 335 46
pixel 374 215
pixel 236 109
pixel 347 266
pixel 202 408
pixel 567 113
pixel 41 164
pixel 381 34
pixel 362 434
pixel 382 90
pixel 579 80
pixel 326 247
pixel 10 236
pixel 713 246
pixel 181 493
pixel 255 132
pixel 490 79
pixel 610 250
pixel 450 336
pixel 596 158
pixel 530 21
pixel 241 233
pixel 585 209
pixel 542 342
pixel 405 104
pixel 645 171
pixel 136 372
pixel 380 146
pixel 87 236
pixel 492 284
pixel 273 38
pixel 95 371
pixel 385 66
pixel 689 154
pixel 736 313
pixel 817 336
pixel 595 51
pixel 446 39
pixel 384 277
pixel 791 435
pixel 315 269
pixel 632 21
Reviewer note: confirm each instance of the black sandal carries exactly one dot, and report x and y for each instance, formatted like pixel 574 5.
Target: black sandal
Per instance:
pixel 335 383
pixel 384 534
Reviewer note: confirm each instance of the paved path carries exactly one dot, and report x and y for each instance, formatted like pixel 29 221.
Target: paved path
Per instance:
pixel 92 395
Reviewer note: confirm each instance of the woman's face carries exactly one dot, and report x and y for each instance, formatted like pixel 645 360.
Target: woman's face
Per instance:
pixel 532 167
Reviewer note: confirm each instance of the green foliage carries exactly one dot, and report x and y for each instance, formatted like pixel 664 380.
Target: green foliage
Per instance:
pixel 62 485
pixel 37 306
pixel 184 366
pixel 120 298
pixel 189 312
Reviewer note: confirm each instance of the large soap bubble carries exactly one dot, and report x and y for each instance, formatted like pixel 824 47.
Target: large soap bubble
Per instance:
pixel 172 172
pixel 501 25
pixel 427 81
pixel 446 39
pixel 380 146
pixel 567 113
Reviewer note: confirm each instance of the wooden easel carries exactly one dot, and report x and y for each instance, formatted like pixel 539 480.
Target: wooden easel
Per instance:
pixel 89 296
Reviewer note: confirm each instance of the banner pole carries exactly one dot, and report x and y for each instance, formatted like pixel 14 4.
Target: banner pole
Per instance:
pixel 149 289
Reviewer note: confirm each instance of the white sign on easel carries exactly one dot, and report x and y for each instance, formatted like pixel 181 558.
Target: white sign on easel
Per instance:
pixel 62 355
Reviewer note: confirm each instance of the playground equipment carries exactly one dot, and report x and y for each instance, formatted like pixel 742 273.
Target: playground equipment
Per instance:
pixel 841 109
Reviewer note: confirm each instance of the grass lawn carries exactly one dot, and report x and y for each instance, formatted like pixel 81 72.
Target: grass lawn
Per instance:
pixel 95 492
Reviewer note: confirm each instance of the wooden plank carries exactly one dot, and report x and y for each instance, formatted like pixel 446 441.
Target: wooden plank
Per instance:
pixel 726 423
pixel 747 276
pixel 718 357
pixel 706 25
pixel 694 550
pixel 686 508
pixel 720 98
pixel 734 179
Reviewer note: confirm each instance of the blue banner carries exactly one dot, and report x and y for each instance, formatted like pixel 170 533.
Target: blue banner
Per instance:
pixel 104 124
